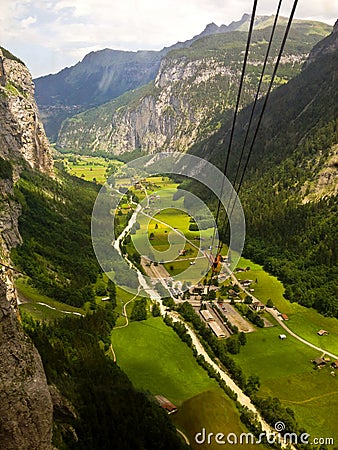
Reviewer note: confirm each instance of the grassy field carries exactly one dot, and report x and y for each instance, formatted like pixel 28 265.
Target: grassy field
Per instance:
pixel 31 299
pixel 285 370
pixel 216 413
pixel 90 168
pixel 156 360
pixel 306 322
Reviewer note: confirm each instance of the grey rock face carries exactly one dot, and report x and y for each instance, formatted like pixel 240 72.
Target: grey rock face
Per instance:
pixel 25 402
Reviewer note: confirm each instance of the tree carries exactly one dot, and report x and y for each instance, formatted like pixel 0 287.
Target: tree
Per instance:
pixel 151 236
pixel 212 295
pixel 139 311
pixel 269 303
pixel 155 310
pixel 253 384
pixel 233 346
pixel 156 226
pixel 248 300
pixel 111 288
pixel 242 338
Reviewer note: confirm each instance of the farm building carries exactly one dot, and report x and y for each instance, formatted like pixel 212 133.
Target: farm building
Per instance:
pixel 282 336
pixel 284 317
pixel 207 316
pixel 319 362
pixel 197 289
pixel 258 306
pixel 216 329
pixel 166 404
pixel 322 333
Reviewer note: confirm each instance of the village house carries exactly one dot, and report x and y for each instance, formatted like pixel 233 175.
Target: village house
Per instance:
pixel 319 362
pixel 322 333
pixel 257 306
pixel 166 404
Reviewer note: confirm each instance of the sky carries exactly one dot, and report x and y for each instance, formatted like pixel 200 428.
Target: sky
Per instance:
pixel 49 35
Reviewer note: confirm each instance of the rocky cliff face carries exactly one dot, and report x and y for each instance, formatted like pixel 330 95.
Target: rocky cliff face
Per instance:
pixel 22 137
pixel 25 402
pixel 193 93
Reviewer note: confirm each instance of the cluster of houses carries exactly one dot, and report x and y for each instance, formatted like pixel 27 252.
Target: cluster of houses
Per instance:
pixel 321 362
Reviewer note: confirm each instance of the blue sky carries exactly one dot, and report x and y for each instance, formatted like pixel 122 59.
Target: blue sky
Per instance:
pixel 49 35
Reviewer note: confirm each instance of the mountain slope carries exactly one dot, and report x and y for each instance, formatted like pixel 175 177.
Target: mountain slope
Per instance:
pixel 106 74
pixel 25 402
pixel 194 92
pixel 290 188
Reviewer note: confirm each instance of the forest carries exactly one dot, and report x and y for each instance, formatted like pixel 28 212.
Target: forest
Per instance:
pixel 290 229
pixel 101 409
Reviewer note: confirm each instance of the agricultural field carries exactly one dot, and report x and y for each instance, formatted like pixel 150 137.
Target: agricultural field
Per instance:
pixel 90 168
pixel 305 322
pixel 285 370
pixel 215 412
pixel 157 361
pixel 39 306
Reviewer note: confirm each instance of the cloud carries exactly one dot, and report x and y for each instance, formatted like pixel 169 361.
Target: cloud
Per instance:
pixel 68 28
pixel 28 21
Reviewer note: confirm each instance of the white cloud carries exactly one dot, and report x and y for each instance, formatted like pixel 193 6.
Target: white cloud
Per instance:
pixel 65 29
pixel 28 21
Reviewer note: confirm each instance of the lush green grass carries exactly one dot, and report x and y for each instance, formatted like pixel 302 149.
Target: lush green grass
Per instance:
pixel 270 357
pixel 31 306
pixel 213 411
pixel 305 322
pixel 156 360
pixel 267 286
pixel 89 172
pixel 285 370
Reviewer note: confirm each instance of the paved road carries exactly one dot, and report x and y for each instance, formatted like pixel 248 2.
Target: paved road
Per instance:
pixel 241 397
pixel 274 314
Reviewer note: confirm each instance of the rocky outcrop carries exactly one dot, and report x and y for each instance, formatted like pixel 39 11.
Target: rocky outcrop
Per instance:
pixel 326 46
pixel 22 137
pixel 326 182
pixel 25 402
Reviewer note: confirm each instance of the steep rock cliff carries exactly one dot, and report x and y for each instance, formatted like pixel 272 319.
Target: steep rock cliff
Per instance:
pixel 25 402
pixel 193 94
pixel 22 137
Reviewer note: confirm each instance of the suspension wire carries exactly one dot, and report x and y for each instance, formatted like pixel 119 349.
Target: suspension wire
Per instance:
pixel 254 107
pixel 286 33
pixel 252 21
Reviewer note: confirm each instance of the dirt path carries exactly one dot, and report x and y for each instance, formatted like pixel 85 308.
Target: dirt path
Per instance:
pixel 308 400
pixel 124 310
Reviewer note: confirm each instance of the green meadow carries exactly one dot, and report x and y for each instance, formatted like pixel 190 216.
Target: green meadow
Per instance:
pixel 305 322
pixel 156 360
pixel 285 370
pixel 216 413
pixel 31 299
